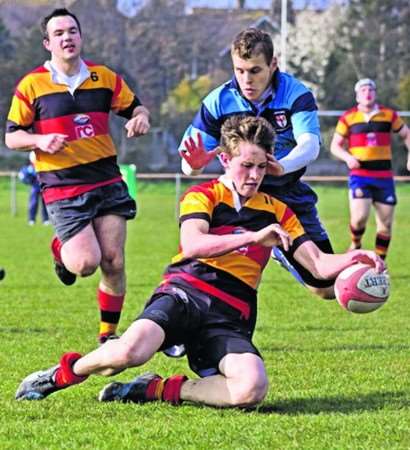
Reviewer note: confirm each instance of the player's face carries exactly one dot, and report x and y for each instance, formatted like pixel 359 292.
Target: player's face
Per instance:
pixel 366 96
pixel 253 75
pixel 64 39
pixel 247 169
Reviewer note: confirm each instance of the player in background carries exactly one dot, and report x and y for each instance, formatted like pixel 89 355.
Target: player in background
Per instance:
pixel 208 296
pixel 363 141
pixel 61 110
pixel 259 88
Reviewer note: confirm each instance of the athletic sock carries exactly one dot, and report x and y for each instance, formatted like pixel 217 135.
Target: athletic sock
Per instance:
pixel 356 236
pixel 382 244
pixel 65 375
pixel 56 245
pixel 110 312
pixel 168 390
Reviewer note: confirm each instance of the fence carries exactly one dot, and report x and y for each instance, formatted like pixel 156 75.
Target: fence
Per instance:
pixel 178 177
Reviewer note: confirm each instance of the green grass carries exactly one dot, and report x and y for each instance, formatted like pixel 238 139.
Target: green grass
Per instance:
pixel 337 380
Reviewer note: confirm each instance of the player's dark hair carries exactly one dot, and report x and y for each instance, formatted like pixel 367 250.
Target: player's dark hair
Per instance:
pixel 59 12
pixel 252 42
pixel 255 130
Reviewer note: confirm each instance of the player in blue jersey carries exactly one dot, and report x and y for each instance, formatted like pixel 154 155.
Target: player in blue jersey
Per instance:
pixel 258 88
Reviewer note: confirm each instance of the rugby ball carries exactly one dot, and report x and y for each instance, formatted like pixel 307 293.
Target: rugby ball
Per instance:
pixel 360 289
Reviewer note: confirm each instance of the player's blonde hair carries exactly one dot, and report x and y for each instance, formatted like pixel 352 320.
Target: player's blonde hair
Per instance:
pixel 237 129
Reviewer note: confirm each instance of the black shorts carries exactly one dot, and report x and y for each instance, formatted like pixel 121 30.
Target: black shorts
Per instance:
pixel 207 327
pixel 71 215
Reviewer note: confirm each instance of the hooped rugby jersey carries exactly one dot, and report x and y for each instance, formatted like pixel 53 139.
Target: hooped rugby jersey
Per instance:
pixel 89 159
pixel 369 139
pixel 234 276
pixel 291 110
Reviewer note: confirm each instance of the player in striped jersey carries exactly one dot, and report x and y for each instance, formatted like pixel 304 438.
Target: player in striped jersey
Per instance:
pixel 363 141
pixel 208 297
pixel 61 111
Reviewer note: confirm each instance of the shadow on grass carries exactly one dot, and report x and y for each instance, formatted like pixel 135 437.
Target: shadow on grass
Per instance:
pixel 15 330
pixel 342 405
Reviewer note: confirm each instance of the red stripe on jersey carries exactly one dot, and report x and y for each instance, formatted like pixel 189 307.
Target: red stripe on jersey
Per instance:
pixel 204 188
pixel 117 89
pixel 235 302
pixel 377 139
pixel 224 229
pixel 372 173
pixel 95 124
pixel 21 97
pixel 61 193
pixel 259 254
pixel 287 214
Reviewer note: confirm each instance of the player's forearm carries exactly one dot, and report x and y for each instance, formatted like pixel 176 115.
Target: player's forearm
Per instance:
pixel 140 110
pixel 209 245
pixel 339 152
pixel 21 140
pixel 304 153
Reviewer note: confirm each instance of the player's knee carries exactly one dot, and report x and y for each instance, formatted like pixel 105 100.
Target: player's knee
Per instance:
pixel 251 391
pixel 84 266
pixel 326 293
pixel 113 264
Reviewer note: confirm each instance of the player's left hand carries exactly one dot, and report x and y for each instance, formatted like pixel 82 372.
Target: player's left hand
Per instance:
pixel 274 167
pixel 138 125
pixel 369 257
pixel 195 154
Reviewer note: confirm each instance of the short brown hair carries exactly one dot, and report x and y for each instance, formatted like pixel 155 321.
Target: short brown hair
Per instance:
pixel 59 12
pixel 255 130
pixel 252 42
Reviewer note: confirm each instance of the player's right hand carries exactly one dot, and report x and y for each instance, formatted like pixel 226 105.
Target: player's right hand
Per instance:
pixel 195 154
pixel 352 163
pixel 273 234
pixel 51 143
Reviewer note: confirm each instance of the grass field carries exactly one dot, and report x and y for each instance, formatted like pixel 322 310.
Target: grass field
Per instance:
pixel 337 380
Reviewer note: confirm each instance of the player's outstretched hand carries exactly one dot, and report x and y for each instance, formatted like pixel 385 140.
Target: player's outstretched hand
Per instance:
pixel 274 167
pixel 138 125
pixel 195 154
pixel 52 142
pixel 272 235
pixel 369 257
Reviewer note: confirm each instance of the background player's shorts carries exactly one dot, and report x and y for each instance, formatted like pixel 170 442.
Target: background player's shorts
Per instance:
pixel 301 198
pixel 381 190
pixel 71 215
pixel 207 327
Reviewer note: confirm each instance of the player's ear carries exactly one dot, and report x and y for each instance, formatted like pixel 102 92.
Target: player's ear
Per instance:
pixel 224 158
pixel 46 44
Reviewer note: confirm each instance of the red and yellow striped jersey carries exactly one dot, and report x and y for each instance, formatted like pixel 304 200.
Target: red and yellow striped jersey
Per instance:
pixel 238 272
pixel 369 139
pixel 43 106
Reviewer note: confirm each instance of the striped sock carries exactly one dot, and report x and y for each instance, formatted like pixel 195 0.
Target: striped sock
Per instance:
pixel 356 236
pixel 382 244
pixel 110 312
pixel 168 390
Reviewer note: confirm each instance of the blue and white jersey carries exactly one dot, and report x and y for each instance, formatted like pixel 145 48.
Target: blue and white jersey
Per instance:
pixel 291 110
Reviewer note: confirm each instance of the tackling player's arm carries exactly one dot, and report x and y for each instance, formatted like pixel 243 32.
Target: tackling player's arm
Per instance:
pixel 328 266
pixel 139 123
pixel 197 242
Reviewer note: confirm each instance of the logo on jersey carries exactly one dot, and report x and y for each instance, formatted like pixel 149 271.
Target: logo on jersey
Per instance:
pixel 84 128
pixel 371 139
pixel 281 120
pixel 241 250
pixel 81 119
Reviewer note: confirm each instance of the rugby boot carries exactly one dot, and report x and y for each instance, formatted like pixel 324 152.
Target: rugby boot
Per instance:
pixel 135 391
pixel 145 388
pixel 279 257
pixel 41 384
pixel 66 277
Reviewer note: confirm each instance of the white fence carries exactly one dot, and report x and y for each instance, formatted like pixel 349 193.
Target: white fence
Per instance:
pixel 178 177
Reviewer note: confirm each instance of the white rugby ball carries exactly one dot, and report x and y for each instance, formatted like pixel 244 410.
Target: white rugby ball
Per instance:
pixel 360 289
